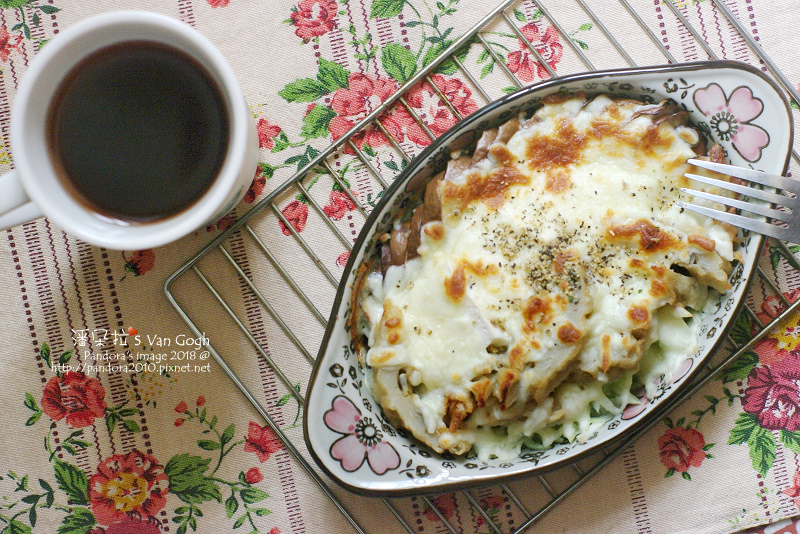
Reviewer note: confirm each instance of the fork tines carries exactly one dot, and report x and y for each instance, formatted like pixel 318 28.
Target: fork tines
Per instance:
pixel 750 204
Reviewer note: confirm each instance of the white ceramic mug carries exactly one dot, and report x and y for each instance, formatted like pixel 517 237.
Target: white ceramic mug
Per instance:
pixel 34 189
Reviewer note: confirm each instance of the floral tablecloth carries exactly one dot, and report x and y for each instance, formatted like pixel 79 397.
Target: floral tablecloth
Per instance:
pixel 89 447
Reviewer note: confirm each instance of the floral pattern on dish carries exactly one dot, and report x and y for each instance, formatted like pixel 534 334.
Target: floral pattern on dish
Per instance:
pixel 423 470
pixel 362 440
pixel 730 118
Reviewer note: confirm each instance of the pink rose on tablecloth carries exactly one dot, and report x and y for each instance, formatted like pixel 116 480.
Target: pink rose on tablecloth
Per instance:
pixel 785 337
pixel 339 205
pixel 794 490
pixel 773 305
pixel 493 502
pixel 313 18
pixel 253 476
pixel 772 394
pixel 262 441
pixel 431 109
pixel 363 94
pixel 256 188
pixel 296 212
pixel 445 503
pixel 218 3
pixel 127 484
pixel 223 223
pixel 79 398
pixel 266 132
pixel 730 118
pixel 681 448
pixel 524 64
pixel 134 525
pixel 371 136
pixel 140 261
pixel 362 440
pixel 341 260
pixel 7 44
pixel 770 351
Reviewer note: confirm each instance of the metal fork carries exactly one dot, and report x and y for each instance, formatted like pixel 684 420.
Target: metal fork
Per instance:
pixel 773 200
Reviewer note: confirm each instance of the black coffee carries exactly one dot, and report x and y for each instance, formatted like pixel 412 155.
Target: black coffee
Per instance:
pixel 138 131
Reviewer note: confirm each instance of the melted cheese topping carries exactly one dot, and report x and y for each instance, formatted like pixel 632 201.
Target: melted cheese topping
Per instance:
pixel 559 261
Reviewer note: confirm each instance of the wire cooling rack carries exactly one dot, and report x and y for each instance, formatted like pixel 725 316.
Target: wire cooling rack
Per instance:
pixel 272 285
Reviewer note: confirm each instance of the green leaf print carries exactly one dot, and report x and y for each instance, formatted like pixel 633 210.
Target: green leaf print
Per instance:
pixel 332 75
pixel 743 428
pixel 72 481
pixel 303 90
pixel 253 495
pixel 398 62
pixel 231 505
pixel 386 8
pixel 760 440
pixel 188 481
pixel 315 123
pixel 762 449
pixel 13 4
pixel 15 527
pixel 790 440
pixel 80 521
pixel 740 368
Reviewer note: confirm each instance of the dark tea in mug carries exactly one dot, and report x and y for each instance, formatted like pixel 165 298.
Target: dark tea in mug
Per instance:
pixel 138 131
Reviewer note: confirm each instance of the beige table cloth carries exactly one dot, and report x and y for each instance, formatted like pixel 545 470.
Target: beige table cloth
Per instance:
pixel 87 446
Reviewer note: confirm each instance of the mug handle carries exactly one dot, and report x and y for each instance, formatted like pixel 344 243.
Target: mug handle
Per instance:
pixel 15 205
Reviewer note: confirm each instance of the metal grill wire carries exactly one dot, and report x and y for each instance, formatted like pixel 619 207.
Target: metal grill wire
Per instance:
pixel 313 293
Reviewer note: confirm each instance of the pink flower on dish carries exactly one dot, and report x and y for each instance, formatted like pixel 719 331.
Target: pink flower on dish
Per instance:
pixel 362 439
pixel 730 118
pixel 634 410
pixel 524 64
pixel 682 370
